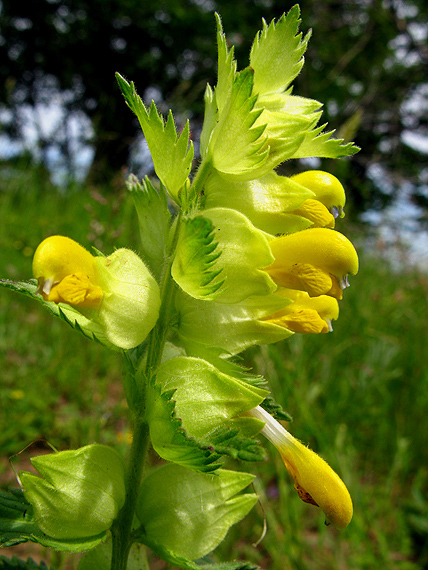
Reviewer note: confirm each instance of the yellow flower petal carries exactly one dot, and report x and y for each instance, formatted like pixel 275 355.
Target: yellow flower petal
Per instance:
pixel 305 314
pixel 326 187
pixel 301 321
pixel 316 212
pixel 315 480
pixel 59 256
pixel 317 260
pixel 77 290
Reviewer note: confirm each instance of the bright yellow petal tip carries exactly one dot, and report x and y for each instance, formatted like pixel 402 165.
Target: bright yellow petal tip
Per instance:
pixel 315 212
pixel 314 479
pixel 326 187
pixel 316 260
pixel 305 314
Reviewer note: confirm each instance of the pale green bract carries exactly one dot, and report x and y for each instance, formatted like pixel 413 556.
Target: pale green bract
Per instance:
pixel 81 491
pixel 190 513
pixel 172 154
pixel 234 253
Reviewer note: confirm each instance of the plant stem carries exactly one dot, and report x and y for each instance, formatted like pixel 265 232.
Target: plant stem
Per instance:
pixel 200 178
pixel 159 333
pixel 121 531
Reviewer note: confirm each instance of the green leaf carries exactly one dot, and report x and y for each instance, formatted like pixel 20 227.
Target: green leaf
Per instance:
pixel 189 513
pixel 226 68
pixel 154 219
pixel 196 254
pixel 170 440
pixel 18 525
pixel 16 563
pixel 70 315
pixel 317 143
pixel 277 53
pixel 237 147
pixel 171 153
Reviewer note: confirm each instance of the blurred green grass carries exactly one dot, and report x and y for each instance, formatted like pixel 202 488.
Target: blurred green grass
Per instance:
pixel 359 396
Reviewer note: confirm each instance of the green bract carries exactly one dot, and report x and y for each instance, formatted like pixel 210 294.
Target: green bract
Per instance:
pixel 131 302
pixel 172 154
pixel 154 220
pixel 221 256
pixel 211 399
pixel 267 201
pixel 80 493
pixel 233 328
pixel 190 513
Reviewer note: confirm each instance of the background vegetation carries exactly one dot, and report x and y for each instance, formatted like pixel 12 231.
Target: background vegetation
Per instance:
pixel 358 396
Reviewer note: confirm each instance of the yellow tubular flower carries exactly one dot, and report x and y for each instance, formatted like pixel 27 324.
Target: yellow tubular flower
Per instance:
pixel 317 260
pixel 69 277
pixel 326 187
pixel 305 314
pixel 314 480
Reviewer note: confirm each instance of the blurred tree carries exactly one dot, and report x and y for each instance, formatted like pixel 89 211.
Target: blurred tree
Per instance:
pixel 367 61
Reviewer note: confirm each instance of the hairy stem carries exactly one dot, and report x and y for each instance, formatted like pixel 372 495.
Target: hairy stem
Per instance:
pixel 121 532
pixel 122 528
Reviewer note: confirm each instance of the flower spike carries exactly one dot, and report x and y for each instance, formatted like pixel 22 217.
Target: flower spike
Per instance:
pixel 314 480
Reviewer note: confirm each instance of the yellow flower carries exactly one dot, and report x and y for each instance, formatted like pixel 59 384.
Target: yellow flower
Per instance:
pixel 316 260
pixel 117 293
pixel 66 273
pixel 326 187
pixel 314 480
pixel 305 314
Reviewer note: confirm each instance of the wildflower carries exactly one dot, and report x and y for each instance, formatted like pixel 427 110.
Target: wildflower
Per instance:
pixel 314 480
pixel 117 292
pixel 316 260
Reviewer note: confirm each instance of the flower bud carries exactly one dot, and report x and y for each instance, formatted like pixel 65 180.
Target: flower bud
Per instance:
pixel 81 491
